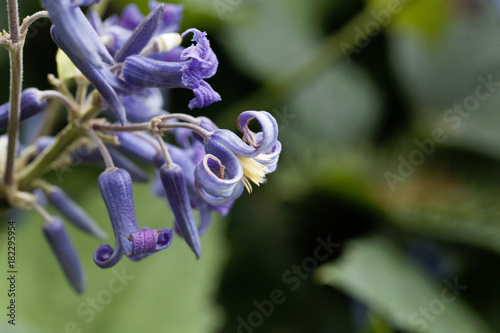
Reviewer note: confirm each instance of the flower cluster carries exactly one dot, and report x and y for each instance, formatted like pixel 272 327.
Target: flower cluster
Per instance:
pixel 128 61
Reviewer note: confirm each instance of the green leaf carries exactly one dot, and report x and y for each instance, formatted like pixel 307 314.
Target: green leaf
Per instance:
pixel 377 274
pixel 170 289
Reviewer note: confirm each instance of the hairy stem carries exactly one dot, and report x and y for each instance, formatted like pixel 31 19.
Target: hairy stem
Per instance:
pixel 16 77
pixel 13 11
pixel 42 164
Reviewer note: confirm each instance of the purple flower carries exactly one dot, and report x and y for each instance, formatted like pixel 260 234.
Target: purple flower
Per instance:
pixel 116 189
pixel 64 249
pixel 232 163
pixel 116 31
pixel 187 156
pixel 72 212
pixel 172 178
pixel 73 33
pixel 197 62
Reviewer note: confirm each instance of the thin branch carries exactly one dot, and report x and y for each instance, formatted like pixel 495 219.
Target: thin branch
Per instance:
pixel 13 11
pixel 16 77
pixel 168 160
pixel 102 149
pixel 30 19
pixel 146 127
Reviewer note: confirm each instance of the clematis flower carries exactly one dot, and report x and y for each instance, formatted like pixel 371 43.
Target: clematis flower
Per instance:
pixel 232 163
pixel 73 33
pixel 116 189
pixel 197 62
pixel 190 152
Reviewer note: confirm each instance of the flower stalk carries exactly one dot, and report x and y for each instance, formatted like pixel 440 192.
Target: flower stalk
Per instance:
pixel 15 48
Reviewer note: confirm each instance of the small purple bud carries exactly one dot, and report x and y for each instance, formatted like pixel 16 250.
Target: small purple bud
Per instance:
pixel 73 213
pixel 116 190
pixel 178 198
pixel 31 104
pixel 66 254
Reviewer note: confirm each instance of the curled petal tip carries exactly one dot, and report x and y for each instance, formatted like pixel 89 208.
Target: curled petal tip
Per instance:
pixel 105 257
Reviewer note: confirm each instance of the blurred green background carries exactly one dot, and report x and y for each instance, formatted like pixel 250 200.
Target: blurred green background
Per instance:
pixel 383 215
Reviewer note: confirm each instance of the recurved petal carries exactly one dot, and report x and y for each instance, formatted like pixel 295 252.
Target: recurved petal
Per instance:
pixel 105 257
pixel 202 62
pixel 204 95
pixel 219 172
pixel 65 251
pixel 270 159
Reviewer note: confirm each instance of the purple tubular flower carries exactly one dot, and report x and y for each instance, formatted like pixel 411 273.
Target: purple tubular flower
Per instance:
pixel 116 190
pixel 198 62
pixel 73 28
pixel 74 34
pixel 66 254
pixel 73 213
pixel 230 159
pixel 175 188
pixel 249 146
pixel 142 35
pixel 31 104
pixel 218 176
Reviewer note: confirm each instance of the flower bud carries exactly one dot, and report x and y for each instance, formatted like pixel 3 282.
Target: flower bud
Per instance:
pixel 31 104
pixel 66 254
pixel 175 188
pixel 73 213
